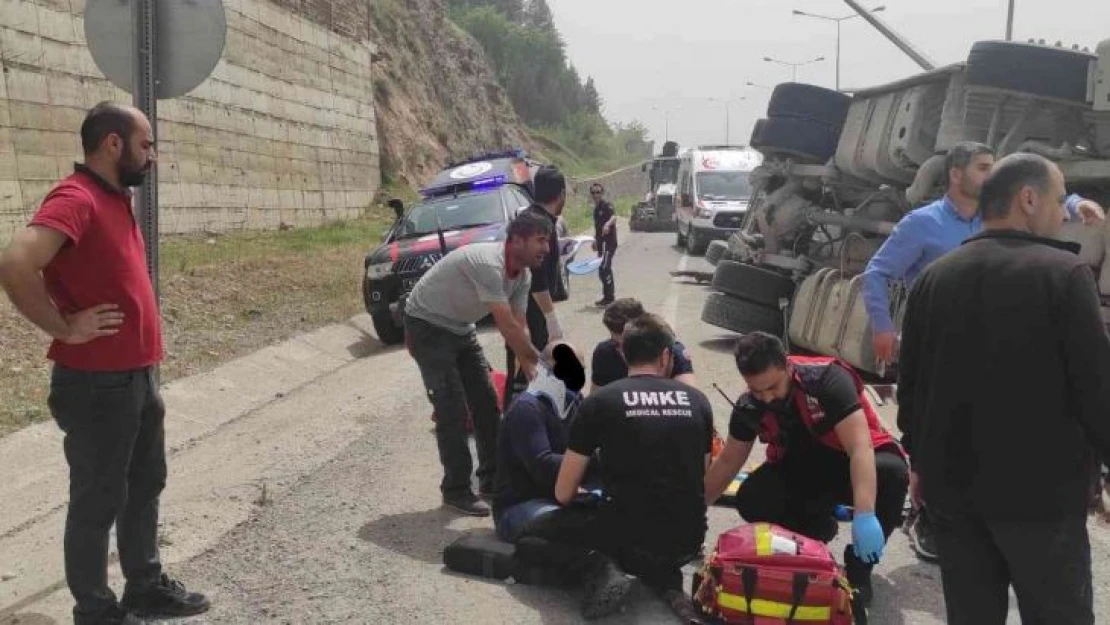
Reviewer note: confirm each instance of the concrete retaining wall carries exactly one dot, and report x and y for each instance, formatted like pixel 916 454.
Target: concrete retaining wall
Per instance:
pixel 282 132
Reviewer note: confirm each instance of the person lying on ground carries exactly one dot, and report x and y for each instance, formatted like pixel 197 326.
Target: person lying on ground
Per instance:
pixel 654 436
pixel 532 438
pixel 825 446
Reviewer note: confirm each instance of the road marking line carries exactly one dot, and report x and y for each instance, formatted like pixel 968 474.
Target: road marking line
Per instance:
pixel 670 305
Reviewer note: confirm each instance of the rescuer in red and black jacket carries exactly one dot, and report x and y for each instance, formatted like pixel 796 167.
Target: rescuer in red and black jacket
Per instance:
pixel 825 446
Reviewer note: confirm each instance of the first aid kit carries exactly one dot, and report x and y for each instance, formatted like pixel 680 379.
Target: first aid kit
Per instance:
pixel 763 574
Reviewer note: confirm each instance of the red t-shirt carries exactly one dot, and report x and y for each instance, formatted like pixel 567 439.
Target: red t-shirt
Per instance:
pixel 104 262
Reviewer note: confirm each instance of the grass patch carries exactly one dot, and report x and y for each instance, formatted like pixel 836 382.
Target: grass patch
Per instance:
pixel 222 297
pixel 580 217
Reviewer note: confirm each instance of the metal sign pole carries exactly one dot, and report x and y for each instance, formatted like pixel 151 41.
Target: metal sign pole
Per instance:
pixel 143 97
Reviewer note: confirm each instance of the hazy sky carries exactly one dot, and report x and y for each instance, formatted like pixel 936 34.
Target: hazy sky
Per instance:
pixel 677 54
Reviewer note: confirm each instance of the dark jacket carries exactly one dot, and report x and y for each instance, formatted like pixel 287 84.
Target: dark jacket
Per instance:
pixel 530 446
pixel 1004 378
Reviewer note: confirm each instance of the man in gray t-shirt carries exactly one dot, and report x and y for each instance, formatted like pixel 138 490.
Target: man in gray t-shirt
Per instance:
pixel 440 313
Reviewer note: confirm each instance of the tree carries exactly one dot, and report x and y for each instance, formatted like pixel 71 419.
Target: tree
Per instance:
pixel 593 98
pixel 538 15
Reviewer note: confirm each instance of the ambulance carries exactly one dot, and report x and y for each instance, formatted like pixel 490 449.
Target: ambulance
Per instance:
pixel 713 193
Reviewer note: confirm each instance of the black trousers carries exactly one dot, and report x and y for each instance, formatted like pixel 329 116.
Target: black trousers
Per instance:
pixel 641 545
pixel 456 375
pixel 115 447
pixel 1047 562
pixel 800 492
pixel 605 272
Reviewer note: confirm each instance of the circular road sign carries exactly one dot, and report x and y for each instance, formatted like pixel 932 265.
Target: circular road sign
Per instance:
pixel 189 37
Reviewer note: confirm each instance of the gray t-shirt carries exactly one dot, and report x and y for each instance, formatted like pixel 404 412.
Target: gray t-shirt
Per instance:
pixel 457 291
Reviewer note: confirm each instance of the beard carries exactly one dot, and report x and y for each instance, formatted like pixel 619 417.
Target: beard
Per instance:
pixel 130 176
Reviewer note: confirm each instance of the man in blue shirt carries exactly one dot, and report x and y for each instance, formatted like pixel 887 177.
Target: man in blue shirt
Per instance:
pixel 931 231
pixel 921 237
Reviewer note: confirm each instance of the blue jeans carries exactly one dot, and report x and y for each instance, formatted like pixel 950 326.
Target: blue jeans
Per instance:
pixel 514 518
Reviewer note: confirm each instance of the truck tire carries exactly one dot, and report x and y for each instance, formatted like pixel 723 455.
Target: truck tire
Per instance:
pixel 715 251
pixel 1029 68
pixel 389 332
pixel 803 101
pixel 752 283
pixel 756 140
pixel 797 136
pixel 740 316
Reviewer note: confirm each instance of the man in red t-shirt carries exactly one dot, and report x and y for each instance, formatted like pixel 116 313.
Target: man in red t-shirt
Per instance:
pixel 78 272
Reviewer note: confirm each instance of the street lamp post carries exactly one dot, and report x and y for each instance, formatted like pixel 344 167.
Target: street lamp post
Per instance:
pixel 837 20
pixel 793 66
pixel 726 102
pixel 1010 22
pixel 666 121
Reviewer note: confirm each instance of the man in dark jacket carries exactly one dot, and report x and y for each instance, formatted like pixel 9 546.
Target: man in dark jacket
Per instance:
pixel 532 439
pixel 1002 397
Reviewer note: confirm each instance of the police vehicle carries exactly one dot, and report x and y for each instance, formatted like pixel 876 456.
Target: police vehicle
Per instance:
pixel 468 202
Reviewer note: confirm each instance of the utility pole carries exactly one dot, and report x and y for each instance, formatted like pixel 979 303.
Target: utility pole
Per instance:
pixel 1010 22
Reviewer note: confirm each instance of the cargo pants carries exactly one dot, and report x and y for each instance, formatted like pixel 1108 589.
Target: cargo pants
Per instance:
pixel 456 374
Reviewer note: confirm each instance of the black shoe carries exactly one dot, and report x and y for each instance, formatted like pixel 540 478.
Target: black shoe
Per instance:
pixel 167 598
pixel 487 490
pixel 683 607
pixel 921 539
pixel 606 587
pixel 115 615
pixel 603 302
pixel 859 576
pixel 467 503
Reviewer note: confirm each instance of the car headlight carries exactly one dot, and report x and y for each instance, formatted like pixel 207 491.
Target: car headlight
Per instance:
pixel 379 271
pixel 704 213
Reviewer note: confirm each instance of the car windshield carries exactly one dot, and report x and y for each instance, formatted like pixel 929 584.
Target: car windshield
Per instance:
pixel 465 211
pixel 724 185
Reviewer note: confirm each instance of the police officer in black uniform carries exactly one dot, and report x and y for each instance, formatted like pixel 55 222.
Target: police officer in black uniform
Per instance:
pixel 605 241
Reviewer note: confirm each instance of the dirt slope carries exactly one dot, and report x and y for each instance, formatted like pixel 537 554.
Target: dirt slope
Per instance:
pixel 436 96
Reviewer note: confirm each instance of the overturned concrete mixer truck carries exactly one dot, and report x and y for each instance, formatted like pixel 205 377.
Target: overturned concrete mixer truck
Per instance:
pixel 840 171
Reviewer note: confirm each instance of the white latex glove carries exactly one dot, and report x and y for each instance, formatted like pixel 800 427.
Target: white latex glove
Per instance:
pixel 554 330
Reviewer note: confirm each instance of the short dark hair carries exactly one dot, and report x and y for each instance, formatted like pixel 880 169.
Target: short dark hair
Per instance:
pixel 597 185
pixel 549 182
pixel 106 118
pixel 757 352
pixel 1007 179
pixel 961 154
pixel 528 224
pixel 620 312
pixel 645 338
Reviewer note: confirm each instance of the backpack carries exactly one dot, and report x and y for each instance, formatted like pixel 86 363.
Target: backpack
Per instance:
pixel 763 574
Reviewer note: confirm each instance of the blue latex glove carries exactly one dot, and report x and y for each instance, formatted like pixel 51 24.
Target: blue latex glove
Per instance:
pixel 867 537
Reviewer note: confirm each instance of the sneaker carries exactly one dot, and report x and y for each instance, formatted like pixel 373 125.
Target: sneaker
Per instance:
pixel 467 503
pixel 167 598
pixel 921 539
pixel 683 607
pixel 114 615
pixel 606 587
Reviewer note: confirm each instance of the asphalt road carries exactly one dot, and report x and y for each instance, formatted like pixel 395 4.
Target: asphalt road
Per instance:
pixel 351 528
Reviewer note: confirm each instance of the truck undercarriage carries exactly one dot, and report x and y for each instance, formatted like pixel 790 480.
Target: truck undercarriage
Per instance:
pixel 840 172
